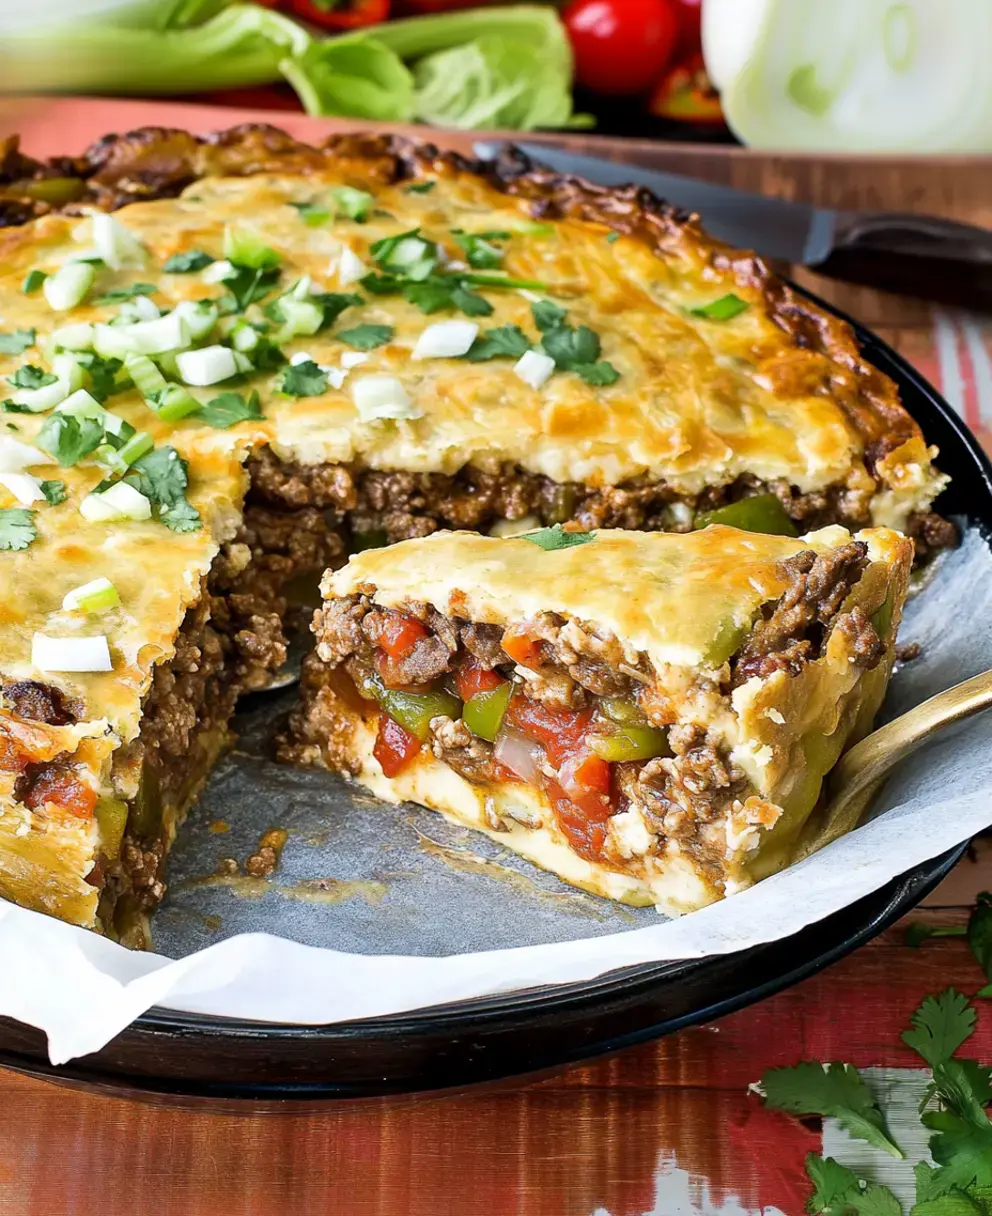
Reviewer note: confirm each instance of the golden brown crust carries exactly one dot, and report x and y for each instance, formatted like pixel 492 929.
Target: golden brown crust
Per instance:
pixel 822 354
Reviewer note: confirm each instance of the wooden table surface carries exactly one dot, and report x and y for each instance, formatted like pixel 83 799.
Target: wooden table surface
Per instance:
pixel 669 1128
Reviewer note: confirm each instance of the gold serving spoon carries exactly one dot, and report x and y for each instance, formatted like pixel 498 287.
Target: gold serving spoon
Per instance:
pixel 860 771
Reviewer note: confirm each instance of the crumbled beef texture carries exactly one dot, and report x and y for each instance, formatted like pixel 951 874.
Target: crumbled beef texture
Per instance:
pixel 908 653
pixel 322 727
pixel 484 643
pixel 931 533
pixel 429 659
pixel 866 647
pixel 796 627
pixel 40 702
pixel 467 754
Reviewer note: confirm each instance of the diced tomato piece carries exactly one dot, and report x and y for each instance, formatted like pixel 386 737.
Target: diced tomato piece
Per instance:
pixel 396 633
pixel 12 759
pixel 559 731
pixel 394 747
pixel 522 649
pixel 62 787
pixel 585 830
pixel 504 774
pixel 474 678
pixel 585 778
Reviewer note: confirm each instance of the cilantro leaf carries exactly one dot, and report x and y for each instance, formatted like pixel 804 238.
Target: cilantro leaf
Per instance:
pixel 11 407
pixel 934 1200
pixel 811 1088
pixel 837 1191
pixel 69 439
pixel 420 188
pixel 16 342
pixel 353 203
pixel 229 409
pixel 554 538
pixel 430 296
pixel 612 238
pixel 506 340
pixel 479 249
pixel 470 302
pixel 601 374
pixel 33 280
pixel 120 294
pixel 940 1025
pixel 54 492
pixel 247 284
pixel 383 284
pixel 917 933
pixel 17 529
pixel 188 262
pixel 162 476
pixel 102 374
pixel 313 214
pixel 30 376
pixel 962 1150
pixel 980 936
pixel 304 380
pixel 548 315
pixel 383 250
pixel 724 309
pixel 333 304
pixel 367 337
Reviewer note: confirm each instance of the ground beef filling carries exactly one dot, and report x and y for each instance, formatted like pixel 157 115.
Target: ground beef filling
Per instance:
pixel 567 710
pixel 382 507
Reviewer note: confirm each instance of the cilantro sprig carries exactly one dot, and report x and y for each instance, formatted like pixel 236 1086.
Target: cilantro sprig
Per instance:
pixel 554 538
pixel 163 476
pixel 17 529
pixel 229 409
pixel 303 380
pixel 573 348
pixel 838 1191
pixel 17 342
pixel 366 337
pixel 120 294
pixel 30 376
pixel 188 262
pixel 507 341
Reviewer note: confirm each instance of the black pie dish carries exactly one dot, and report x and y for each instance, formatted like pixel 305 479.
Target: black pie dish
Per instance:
pixel 170 1057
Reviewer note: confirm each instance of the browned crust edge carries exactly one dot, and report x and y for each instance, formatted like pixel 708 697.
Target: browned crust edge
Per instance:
pixel 158 162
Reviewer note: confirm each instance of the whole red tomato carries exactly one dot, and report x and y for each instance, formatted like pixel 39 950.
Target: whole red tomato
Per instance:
pixel 690 26
pixel 621 46
pixel 340 14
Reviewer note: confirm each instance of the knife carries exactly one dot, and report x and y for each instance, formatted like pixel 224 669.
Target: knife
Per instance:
pixel 919 255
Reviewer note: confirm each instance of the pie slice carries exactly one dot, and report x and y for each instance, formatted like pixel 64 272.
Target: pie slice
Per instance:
pixel 649 716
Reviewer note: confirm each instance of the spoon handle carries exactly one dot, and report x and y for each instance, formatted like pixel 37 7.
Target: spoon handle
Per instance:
pixel 872 758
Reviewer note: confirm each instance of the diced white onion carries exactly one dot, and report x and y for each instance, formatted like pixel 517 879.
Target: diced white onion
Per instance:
pixel 336 376
pixel 519 754
pixel 120 501
pixel 68 286
pixel 199 316
pixel 350 267
pixel 408 251
pixel 301 356
pixel 352 358
pixel 147 309
pixel 117 245
pixel 217 272
pixel 167 333
pixel 68 376
pixel 379 397
pixel 446 340
pixel 16 456
pixel 70 654
pixel 100 595
pixel 534 368
pixel 24 487
pixel 74 337
pixel 81 404
pixel 210 365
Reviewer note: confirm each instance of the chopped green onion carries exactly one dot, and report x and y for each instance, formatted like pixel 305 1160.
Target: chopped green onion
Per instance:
pixel 353 203
pixel 200 317
pixel 168 333
pixel 68 286
pixel 33 281
pixel 724 309
pixel 173 403
pixel 313 214
pixel 188 262
pixel 246 248
pixel 74 337
pixel 119 501
pixel 98 596
pixel 146 376
pixel 299 318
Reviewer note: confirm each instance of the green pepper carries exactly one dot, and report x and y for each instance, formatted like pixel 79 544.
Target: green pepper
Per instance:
pixel 54 190
pixel 624 710
pixel 413 710
pixel 484 712
pixel 762 513
pixel 562 506
pixel 111 815
pixel 145 819
pixel 881 618
pixel 631 743
pixel 729 639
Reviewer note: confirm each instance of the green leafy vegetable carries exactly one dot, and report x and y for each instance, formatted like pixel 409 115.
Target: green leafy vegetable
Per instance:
pixel 33 281
pixel 357 76
pixel 102 374
pixel 248 284
pixel 811 1088
pixel 16 342
pixel 54 492
pixel 940 1026
pixel 333 304
pixel 120 294
pixel 548 316
pixel 934 1200
pixel 479 249
pixel 229 409
pixel 980 937
pixel 573 349
pixel 506 340
pixel 30 376
pixel 406 254
pixel 188 262
pixel 612 238
pixel 724 309
pixel 17 529
pixel 162 476
pixel 420 188
pixel 68 439
pixel 304 380
pixel 917 933
pixel 353 203
pixel 837 1191
pixel 551 539
pixel 313 214
pixel 367 337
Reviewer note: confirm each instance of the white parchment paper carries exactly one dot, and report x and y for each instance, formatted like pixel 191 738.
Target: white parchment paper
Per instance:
pixel 82 989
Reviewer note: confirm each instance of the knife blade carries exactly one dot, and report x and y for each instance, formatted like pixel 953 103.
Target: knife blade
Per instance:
pixel 920 255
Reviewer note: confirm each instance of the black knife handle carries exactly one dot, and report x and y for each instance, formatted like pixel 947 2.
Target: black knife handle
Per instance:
pixel 918 255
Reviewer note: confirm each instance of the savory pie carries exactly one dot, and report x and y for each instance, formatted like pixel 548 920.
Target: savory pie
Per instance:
pixel 663 744
pixel 270 354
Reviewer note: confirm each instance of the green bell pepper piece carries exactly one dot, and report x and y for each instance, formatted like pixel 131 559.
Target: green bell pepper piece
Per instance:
pixel 624 710
pixel 111 815
pixel 146 809
pixel 881 618
pixel 484 712
pixel 631 743
pixel 413 710
pixel 762 513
